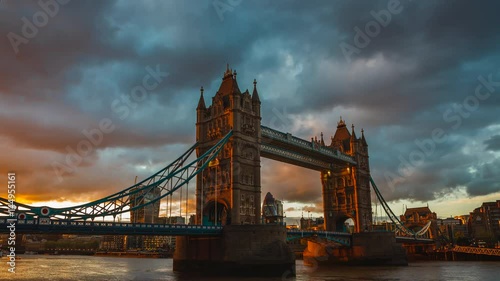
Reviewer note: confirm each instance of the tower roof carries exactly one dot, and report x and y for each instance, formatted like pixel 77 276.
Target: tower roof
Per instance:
pixel 363 140
pixel 353 134
pixel 255 94
pixel 422 211
pixel 229 85
pixel 342 136
pixel 201 102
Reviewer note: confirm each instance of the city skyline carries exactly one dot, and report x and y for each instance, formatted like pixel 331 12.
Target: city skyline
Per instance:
pixel 424 88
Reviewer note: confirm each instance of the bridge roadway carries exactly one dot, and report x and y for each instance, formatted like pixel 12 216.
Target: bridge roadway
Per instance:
pixel 286 148
pixel 45 226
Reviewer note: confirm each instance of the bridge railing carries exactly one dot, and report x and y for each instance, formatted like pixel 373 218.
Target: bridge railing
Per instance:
pixel 288 138
pixel 297 231
pixel 63 223
pixel 477 250
pixel 294 156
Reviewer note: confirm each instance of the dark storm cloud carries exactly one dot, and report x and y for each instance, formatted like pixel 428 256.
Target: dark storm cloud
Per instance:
pixel 399 87
pixel 486 179
pixel 493 143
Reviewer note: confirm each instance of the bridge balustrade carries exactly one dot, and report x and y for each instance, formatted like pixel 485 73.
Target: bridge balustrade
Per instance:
pixel 113 224
pixel 295 156
pixel 288 138
pixel 477 250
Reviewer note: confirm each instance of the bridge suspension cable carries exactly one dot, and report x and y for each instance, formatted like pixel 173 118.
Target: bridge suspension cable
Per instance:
pixel 165 182
pixel 395 220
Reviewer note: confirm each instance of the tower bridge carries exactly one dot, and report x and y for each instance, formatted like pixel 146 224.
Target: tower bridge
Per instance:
pixel 230 142
pixel 343 165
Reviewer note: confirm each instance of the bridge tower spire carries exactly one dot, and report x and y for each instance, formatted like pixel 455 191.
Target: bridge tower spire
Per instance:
pixel 234 181
pixel 346 189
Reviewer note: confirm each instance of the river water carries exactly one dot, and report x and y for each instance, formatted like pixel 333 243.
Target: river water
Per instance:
pixel 90 268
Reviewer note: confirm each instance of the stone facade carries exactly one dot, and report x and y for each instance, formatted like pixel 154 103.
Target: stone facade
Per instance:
pixel 416 218
pixel 246 250
pixel 368 248
pixel 346 189
pixel 233 180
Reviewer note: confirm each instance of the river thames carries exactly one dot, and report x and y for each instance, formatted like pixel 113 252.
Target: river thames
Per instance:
pixel 90 268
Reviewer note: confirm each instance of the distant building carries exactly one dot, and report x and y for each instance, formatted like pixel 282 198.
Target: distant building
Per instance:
pixel 420 215
pixel 452 229
pixel 148 213
pixel 272 210
pixel 449 221
pixel 384 226
pixel 113 243
pixel 484 222
pixel 416 218
pixel 152 243
pixel 176 220
pixel 463 218
pixel 192 219
pixel 316 224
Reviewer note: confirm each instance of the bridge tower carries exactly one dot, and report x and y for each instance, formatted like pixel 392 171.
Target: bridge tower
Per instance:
pixel 231 183
pixel 346 189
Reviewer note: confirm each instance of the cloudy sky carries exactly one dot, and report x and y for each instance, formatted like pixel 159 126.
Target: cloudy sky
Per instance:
pixel 419 77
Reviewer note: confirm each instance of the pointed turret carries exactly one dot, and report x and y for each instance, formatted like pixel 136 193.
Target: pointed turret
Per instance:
pixel 255 98
pixel 363 140
pixel 342 137
pixel 322 141
pixel 255 94
pixel 354 140
pixel 201 102
pixel 229 85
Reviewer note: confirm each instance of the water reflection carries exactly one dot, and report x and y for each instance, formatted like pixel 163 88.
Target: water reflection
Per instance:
pixel 85 268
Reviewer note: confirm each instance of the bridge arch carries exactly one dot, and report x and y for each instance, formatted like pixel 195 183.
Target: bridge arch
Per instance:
pixel 342 224
pixel 223 213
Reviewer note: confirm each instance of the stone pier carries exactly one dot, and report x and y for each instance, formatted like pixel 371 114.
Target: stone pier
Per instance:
pixel 368 248
pixel 242 250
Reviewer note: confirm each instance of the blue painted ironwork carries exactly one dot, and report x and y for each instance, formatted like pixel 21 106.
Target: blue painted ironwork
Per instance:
pixel 175 175
pixel 267 132
pixel 295 157
pixel 44 226
pixel 168 180
pixel 399 225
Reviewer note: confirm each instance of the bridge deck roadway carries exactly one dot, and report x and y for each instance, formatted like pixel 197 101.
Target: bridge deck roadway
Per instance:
pixel 277 145
pixel 108 228
pixel 41 226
